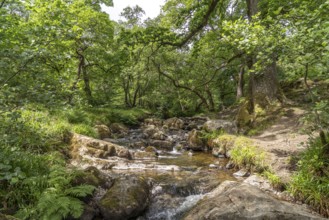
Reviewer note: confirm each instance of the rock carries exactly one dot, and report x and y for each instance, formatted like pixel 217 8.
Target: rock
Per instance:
pixel 153 121
pixel 82 146
pixel 222 145
pixel 144 155
pixel 103 131
pixel 173 123
pixel 220 125
pixel 213 166
pixel 235 200
pixel 242 173
pixel 92 176
pixel 194 140
pixel 120 130
pixel 167 145
pixel 126 199
pixel 152 132
pixel 229 165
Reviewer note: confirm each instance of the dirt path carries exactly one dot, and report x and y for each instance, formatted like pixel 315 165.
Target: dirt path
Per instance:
pixel 282 141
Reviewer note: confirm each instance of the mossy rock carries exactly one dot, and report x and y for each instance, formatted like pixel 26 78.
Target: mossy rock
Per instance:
pixel 92 176
pixel 126 199
pixel 223 144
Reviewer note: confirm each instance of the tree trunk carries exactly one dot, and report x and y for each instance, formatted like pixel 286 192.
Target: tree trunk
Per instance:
pixel 240 86
pixel 86 81
pixel 263 85
pixel 210 99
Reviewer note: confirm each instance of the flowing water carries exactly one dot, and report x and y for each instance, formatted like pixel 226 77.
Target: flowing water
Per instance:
pixel 179 180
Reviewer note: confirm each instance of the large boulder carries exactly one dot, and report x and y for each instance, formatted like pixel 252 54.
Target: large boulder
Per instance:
pixel 236 200
pixel 194 140
pixel 173 123
pixel 83 146
pixel 220 125
pixel 126 199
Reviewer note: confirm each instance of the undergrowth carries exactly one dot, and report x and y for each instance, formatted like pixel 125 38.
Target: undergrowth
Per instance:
pixel 311 182
pixel 34 180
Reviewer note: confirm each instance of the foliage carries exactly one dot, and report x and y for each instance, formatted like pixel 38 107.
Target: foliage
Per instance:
pixel 38 185
pixel 310 183
pixel 274 180
pixel 246 154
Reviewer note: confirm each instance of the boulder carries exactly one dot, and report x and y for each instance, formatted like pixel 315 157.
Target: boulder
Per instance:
pixel 153 121
pixel 126 199
pixel 173 123
pixel 222 145
pixel 103 131
pixel 220 125
pixel 153 132
pixel 120 130
pixel 194 140
pixel 82 146
pixel 167 145
pixel 236 200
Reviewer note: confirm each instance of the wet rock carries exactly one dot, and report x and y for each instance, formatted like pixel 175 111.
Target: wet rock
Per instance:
pixel 127 198
pixel 220 125
pixel 235 200
pixel 137 144
pixel 194 140
pixel 144 155
pixel 242 173
pixel 103 131
pixel 120 130
pixel 229 165
pixel 168 145
pixel 173 123
pixel 213 166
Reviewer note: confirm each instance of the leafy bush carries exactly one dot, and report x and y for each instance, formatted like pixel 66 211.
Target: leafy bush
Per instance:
pixel 311 182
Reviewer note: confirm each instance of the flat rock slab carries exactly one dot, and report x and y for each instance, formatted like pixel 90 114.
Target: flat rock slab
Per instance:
pixel 235 200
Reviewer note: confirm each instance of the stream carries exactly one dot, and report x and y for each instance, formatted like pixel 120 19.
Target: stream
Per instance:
pixel 178 176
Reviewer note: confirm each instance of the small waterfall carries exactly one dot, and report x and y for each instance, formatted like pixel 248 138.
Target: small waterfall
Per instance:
pixel 174 213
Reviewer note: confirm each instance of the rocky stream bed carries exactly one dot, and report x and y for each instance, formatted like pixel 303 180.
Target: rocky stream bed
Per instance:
pixel 163 171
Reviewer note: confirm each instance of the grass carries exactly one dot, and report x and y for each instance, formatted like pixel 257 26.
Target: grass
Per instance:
pixel 311 182
pixel 274 180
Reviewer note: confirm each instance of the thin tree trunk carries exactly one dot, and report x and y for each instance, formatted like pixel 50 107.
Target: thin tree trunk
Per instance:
pixel 86 81
pixel 240 86
pixel 210 98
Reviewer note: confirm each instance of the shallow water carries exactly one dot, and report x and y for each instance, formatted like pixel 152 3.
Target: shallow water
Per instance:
pixel 179 181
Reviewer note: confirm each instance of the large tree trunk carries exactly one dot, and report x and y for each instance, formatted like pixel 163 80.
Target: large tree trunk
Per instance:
pixel 263 85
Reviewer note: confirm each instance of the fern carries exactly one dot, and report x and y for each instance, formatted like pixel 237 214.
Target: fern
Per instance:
pixel 80 191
